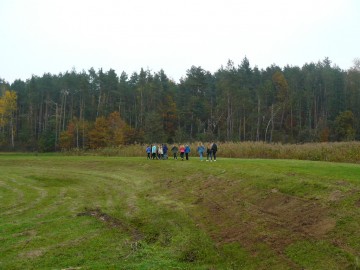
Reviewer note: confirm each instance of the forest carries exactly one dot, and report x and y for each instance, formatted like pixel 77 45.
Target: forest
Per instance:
pixel 318 102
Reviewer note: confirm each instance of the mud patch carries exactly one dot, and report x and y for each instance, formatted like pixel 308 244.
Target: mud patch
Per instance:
pixel 335 196
pixel 357 204
pixel 295 214
pixel 32 254
pixel 342 183
pixel 29 233
pixel 112 222
pixel 275 219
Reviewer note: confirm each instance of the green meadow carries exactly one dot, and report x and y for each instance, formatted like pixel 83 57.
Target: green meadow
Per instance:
pixel 93 212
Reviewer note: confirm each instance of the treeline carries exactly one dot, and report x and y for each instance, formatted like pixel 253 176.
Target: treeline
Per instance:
pixel 91 109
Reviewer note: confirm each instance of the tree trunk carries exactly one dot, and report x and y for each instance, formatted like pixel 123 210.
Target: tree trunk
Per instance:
pixel 40 116
pixel 63 127
pixel 98 105
pixel 228 119
pixel 141 107
pixel 12 132
pixel 258 121
pixel 240 127
pixel 57 123
pixel 191 125
pixel 291 121
pixel 272 122
pixel 244 127
pixel 315 113
pixel 46 112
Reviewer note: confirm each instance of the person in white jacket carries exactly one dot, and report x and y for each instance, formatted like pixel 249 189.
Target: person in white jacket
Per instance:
pixel 160 152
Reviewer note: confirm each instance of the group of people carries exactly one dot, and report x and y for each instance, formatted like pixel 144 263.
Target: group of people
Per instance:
pixel 210 151
pixel 157 151
pixel 161 151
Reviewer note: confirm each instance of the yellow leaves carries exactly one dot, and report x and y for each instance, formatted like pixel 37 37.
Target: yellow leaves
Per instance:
pixel 281 86
pixel 8 101
pixel 8 106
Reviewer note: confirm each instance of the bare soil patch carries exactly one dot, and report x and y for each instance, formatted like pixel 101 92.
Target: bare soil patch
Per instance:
pixel 32 254
pixel 112 222
pixel 336 195
pixel 276 219
pixel 358 203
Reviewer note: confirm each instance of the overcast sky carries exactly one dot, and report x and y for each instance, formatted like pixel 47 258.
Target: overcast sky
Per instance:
pixel 41 36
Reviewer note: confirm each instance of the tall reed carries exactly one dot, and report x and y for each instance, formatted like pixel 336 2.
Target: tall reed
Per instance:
pixel 334 152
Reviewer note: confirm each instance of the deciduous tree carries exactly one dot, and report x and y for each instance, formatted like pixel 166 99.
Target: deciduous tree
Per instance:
pixel 8 107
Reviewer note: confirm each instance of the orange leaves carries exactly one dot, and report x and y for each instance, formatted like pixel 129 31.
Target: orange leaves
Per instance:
pixel 105 132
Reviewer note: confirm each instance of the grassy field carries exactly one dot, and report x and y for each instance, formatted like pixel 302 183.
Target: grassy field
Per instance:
pixel 70 212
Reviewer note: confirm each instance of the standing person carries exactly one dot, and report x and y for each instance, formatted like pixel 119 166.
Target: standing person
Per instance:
pixel 174 150
pixel 208 153
pixel 187 151
pixel 160 152
pixel 153 151
pixel 214 150
pixel 182 151
pixel 201 149
pixel 165 151
pixel 148 151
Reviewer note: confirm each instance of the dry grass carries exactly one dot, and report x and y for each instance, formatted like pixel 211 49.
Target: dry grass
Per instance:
pixel 334 152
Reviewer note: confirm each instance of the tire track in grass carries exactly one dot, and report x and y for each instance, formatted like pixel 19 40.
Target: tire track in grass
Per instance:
pixel 26 202
pixel 111 190
pixel 18 196
pixel 11 196
pixel 51 203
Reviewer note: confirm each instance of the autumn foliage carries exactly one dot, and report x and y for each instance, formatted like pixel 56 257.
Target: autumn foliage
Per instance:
pixel 104 132
pixel 8 107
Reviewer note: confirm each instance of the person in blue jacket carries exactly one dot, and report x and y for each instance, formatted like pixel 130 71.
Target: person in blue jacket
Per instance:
pixel 187 151
pixel 148 152
pixel 201 150
pixel 153 151
pixel 165 151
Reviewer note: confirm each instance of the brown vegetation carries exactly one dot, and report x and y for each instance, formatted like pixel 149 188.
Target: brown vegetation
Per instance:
pixel 333 152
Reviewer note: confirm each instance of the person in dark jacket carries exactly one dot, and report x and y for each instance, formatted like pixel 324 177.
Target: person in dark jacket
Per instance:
pixel 214 150
pixel 165 151
pixel 208 153
pixel 174 150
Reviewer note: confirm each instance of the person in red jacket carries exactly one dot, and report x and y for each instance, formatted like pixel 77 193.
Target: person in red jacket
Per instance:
pixel 182 151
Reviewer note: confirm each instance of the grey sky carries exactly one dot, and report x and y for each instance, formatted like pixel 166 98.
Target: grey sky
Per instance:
pixel 40 36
